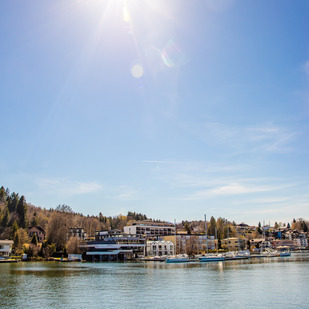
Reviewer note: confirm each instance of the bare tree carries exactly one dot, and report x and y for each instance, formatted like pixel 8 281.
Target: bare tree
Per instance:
pixel 57 230
pixel 73 245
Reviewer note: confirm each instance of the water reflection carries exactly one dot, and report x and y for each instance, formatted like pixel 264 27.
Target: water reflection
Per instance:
pixel 244 283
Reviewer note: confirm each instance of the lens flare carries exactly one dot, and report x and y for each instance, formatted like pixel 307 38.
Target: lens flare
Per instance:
pixel 137 71
pixel 125 14
pixel 172 55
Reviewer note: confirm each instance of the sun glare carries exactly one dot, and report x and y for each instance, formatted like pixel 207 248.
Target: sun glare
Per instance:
pixel 149 25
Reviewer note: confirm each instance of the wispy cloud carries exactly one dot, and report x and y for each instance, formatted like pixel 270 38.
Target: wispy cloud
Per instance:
pixel 229 189
pixel 267 138
pixel 271 138
pixel 237 188
pixel 67 186
pixel 123 193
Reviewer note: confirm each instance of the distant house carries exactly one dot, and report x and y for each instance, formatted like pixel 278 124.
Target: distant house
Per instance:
pixel 39 231
pixel 77 232
pixel 5 248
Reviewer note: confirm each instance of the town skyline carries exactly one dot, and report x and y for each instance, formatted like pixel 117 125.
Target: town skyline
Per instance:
pixel 170 108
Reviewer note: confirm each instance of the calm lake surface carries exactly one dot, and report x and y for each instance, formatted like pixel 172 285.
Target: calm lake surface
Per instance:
pixel 256 283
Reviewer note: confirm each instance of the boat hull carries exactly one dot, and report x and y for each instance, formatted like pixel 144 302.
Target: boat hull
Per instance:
pixel 177 260
pixel 211 259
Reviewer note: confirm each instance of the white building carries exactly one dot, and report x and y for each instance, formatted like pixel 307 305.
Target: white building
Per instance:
pixel 301 242
pixel 299 238
pixel 160 247
pixel 6 247
pixel 149 229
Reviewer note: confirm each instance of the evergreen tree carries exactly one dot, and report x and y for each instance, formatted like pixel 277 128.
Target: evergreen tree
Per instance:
pixel 34 239
pixel 14 229
pixel 12 202
pixel 16 243
pixel 5 218
pixel 187 228
pixel 22 211
pixel 35 220
pixel 212 226
pixel 2 195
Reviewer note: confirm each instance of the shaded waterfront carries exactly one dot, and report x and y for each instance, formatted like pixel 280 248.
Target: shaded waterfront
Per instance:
pixel 270 283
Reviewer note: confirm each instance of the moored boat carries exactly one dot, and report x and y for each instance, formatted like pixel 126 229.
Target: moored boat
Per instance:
pixel 178 259
pixel 284 251
pixel 211 258
pixel 238 255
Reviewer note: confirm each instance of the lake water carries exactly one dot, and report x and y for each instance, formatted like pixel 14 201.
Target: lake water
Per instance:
pixel 256 283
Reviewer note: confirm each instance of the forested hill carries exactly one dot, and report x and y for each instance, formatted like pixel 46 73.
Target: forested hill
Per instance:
pixel 16 215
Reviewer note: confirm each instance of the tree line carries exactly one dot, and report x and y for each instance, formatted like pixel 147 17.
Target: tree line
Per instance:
pixel 16 215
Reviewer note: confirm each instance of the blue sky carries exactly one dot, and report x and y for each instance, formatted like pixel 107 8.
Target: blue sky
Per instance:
pixel 169 108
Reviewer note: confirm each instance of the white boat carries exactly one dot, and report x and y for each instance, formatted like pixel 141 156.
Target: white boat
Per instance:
pixel 211 258
pixel 238 255
pixel 269 253
pixel 183 258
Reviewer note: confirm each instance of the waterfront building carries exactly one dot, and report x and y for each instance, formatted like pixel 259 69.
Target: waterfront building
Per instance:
pixel 283 243
pixel 259 243
pixel 6 247
pixel 299 237
pixel 39 231
pixel 77 232
pixel 149 229
pixel 113 246
pixel 191 243
pixel 233 243
pixel 301 242
pixel 159 248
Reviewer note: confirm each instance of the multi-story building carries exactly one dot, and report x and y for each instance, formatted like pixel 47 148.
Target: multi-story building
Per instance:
pixel 77 232
pixel 160 247
pixel 283 243
pixel 191 243
pixel 111 246
pixel 301 242
pixel 299 238
pixel 258 244
pixel 149 229
pixel 233 243
pixel 5 248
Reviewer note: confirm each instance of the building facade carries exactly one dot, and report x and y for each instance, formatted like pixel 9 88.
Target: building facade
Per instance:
pixel 149 229
pixel 39 231
pixel 233 244
pixel 77 232
pixel 6 248
pixel 191 244
pixel 110 246
pixel 160 248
